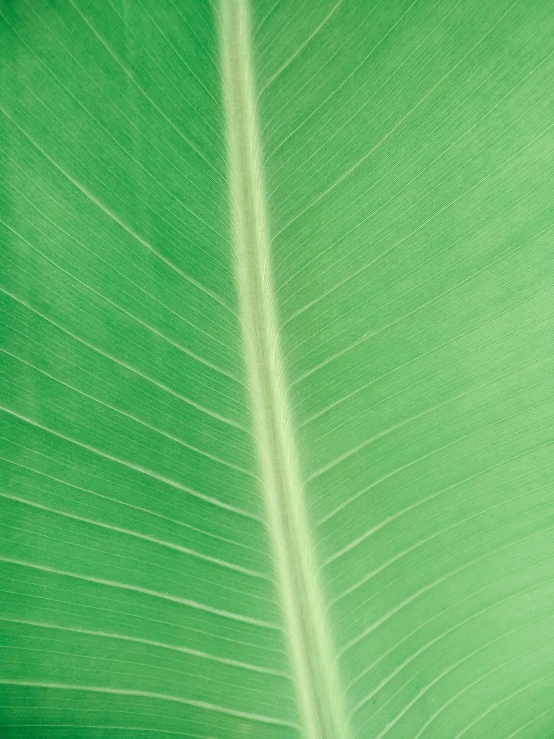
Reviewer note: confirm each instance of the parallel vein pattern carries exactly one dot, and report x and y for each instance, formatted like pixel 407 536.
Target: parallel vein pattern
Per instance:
pixel 409 186
pixel 276 355
pixel 137 587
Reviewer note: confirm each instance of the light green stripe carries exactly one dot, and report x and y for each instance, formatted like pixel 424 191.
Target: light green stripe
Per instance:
pixel 312 656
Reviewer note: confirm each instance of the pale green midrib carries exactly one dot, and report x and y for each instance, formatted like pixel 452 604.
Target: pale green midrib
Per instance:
pixel 312 657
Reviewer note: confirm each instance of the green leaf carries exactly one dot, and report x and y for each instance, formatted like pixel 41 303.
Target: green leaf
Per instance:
pixel 277 399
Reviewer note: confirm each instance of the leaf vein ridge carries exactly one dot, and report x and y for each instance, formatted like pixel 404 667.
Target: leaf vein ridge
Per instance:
pixel 312 658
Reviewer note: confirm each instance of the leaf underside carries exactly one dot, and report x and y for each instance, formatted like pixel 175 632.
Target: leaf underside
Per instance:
pixel 277 398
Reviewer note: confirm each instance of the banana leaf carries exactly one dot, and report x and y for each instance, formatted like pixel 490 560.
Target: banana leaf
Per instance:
pixel 277 352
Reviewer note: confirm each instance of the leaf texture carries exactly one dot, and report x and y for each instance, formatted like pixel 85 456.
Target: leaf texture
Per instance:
pixel 277 365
